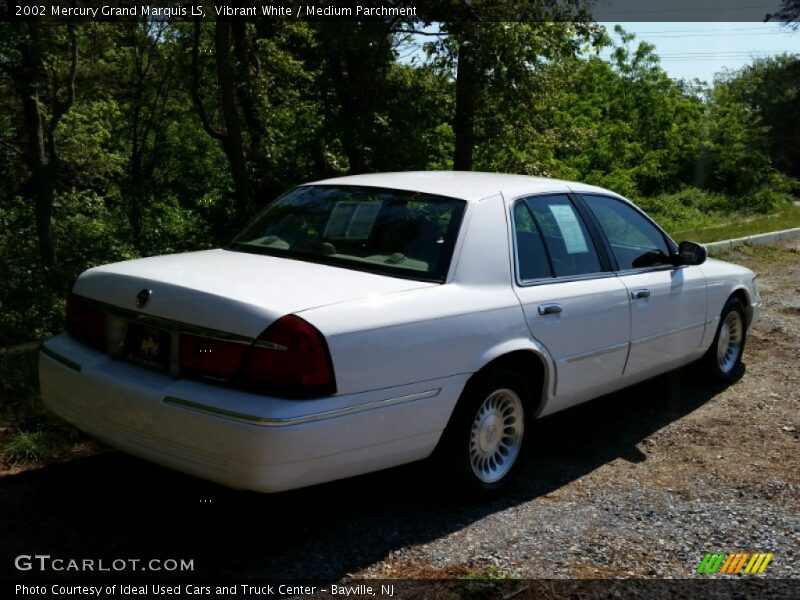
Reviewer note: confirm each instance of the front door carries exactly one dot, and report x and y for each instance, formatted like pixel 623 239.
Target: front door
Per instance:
pixel 668 303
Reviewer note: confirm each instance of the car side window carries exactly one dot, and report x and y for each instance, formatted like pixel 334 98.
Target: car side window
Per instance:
pixel 635 241
pixel 531 255
pixel 569 247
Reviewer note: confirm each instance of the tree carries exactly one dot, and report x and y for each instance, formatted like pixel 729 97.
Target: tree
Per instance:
pixel 255 102
pixel 503 58
pixel 355 60
pixel 789 13
pixel 770 87
pixel 42 62
pixel 147 75
pixel 230 135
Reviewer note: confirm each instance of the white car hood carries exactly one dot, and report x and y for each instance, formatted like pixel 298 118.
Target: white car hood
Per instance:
pixel 235 292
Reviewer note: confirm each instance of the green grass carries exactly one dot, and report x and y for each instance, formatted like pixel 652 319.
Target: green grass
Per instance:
pixel 741 226
pixel 27 446
pixel 29 432
pixel 484 583
pixel 490 572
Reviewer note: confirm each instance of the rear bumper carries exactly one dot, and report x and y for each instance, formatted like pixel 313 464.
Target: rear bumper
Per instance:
pixel 238 439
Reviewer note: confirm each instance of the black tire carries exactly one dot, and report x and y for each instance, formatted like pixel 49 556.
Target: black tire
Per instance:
pixel 465 443
pixel 719 366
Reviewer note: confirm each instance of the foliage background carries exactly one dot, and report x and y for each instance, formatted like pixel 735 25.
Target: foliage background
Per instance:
pixel 158 137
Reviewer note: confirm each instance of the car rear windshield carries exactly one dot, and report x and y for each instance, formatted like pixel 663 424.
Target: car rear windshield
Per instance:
pixel 391 232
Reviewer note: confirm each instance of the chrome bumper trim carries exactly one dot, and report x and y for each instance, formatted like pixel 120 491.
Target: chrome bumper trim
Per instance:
pixel 595 353
pixel 284 422
pixel 656 336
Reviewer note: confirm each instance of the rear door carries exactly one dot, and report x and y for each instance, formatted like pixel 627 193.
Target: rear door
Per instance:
pixel 668 303
pixel 573 303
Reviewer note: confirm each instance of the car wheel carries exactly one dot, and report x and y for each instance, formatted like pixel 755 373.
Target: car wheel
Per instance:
pixel 483 443
pixel 725 355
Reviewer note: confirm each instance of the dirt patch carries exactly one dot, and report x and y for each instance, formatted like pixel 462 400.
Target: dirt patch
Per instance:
pixel 706 469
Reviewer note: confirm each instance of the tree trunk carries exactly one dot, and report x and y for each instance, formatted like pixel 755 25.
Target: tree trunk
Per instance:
pixel 232 140
pixel 135 183
pixel 41 153
pixel 466 101
pixel 42 170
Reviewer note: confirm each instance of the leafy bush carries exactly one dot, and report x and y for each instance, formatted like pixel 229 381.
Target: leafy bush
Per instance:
pixel 19 373
pixel 775 195
pixel 29 307
pixel 693 208
pixel 89 232
pixel 169 228
pixel 688 208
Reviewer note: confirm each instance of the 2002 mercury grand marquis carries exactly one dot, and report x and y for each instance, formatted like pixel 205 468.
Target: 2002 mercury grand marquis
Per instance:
pixel 368 321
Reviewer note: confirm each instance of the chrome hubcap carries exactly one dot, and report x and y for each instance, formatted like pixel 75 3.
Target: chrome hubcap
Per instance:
pixel 729 344
pixel 496 435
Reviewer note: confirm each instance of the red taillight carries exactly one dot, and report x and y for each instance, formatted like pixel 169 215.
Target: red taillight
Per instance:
pixel 86 322
pixel 290 358
pixel 210 358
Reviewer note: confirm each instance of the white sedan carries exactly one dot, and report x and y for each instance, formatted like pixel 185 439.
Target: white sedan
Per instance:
pixel 369 321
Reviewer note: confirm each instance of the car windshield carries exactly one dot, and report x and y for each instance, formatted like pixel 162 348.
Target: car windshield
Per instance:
pixel 391 232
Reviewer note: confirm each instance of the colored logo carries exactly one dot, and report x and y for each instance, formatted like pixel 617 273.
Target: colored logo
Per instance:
pixel 741 562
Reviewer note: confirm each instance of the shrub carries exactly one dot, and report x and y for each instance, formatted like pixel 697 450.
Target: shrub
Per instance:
pixel 685 209
pixel 27 446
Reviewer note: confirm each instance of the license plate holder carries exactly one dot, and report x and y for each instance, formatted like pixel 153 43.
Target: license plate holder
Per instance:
pixel 148 346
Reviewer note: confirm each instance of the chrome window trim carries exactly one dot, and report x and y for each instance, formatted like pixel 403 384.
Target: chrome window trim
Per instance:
pixel 564 279
pixel 299 420
pixel 546 280
pixel 625 272
pixel 600 275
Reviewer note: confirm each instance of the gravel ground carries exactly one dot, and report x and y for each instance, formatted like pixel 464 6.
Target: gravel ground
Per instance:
pixel 704 469
pixel 639 484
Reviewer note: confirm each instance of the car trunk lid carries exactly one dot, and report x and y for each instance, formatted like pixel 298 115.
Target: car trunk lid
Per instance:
pixel 234 292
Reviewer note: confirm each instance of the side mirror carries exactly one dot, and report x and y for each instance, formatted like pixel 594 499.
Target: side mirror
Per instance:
pixel 690 253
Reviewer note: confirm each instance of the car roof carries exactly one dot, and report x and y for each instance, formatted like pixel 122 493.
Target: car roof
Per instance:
pixel 467 185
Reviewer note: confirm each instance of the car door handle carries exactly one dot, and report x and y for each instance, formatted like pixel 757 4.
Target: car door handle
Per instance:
pixel 637 294
pixel 549 309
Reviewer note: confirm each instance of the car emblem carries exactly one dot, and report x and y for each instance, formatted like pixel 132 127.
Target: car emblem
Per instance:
pixel 143 297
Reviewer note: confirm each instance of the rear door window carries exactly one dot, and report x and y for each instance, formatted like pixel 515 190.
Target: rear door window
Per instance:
pixel 569 248
pixel 532 258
